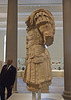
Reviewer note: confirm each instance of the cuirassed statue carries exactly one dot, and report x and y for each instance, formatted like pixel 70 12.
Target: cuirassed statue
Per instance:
pixel 40 32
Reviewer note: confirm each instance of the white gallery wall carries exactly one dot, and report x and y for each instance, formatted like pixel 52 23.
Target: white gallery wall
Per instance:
pixel 56 49
pixel 1 47
pixel 21 44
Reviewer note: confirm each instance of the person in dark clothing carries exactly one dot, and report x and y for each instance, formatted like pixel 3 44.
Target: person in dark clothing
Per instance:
pixel 0 87
pixel 8 74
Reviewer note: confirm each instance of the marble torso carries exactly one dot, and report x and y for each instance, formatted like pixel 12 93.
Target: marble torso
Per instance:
pixel 40 32
pixel 38 67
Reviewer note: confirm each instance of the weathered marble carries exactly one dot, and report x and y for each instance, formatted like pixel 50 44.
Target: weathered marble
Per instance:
pixel 40 32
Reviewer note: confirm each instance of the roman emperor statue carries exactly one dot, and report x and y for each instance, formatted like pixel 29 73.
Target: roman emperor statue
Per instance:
pixel 40 33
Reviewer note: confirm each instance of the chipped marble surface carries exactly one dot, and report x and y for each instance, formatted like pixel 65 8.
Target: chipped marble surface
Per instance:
pixel 57 85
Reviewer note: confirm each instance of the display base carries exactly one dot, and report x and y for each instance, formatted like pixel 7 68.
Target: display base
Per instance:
pixel 28 96
pixel 58 73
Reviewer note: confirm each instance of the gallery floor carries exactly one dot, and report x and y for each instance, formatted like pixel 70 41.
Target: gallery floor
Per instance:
pixel 56 90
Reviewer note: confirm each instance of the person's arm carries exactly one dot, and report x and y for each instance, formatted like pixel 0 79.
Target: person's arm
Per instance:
pixel 3 69
pixel 13 77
